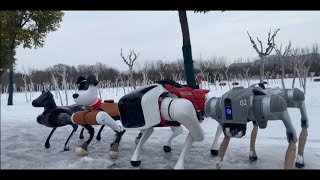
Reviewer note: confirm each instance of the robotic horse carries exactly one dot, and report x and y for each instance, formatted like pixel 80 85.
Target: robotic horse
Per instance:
pixel 88 111
pixel 163 104
pixel 55 116
pixel 237 106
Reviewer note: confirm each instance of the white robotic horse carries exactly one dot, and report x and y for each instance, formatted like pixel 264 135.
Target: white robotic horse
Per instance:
pixel 237 106
pixel 294 99
pixel 177 130
pixel 154 106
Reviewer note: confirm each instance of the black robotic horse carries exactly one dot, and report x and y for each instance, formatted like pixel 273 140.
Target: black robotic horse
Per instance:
pixel 55 116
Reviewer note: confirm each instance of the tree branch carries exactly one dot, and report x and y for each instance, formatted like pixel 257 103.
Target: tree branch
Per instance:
pixel 124 59
pixel 254 45
pixel 271 44
pixel 287 49
pixel 30 15
pixel 260 44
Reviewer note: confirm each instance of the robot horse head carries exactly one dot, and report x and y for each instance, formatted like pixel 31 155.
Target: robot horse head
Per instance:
pixel 87 94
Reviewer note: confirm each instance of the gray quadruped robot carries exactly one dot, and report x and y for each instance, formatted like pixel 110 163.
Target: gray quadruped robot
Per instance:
pixel 234 109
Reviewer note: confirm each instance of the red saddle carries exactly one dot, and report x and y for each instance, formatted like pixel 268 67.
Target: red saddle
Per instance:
pixel 196 96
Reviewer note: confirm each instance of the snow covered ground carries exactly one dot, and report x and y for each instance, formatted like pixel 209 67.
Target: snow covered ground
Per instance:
pixel 22 141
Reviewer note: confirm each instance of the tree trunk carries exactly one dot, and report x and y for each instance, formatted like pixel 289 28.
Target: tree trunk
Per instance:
pixel 131 82
pixel 31 90
pixel 186 49
pixel 227 78
pixel 262 70
pixel 294 78
pixel 305 76
pixel 66 93
pixel 282 74
pixel 12 54
pixel 10 99
pixel 247 77
pixel 305 82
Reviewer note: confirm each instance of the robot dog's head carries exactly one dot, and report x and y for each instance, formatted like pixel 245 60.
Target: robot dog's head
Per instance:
pixel 231 110
pixel 234 117
pixel 87 91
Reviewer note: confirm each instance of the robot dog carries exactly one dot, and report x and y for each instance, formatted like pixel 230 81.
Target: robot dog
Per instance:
pixel 99 113
pixel 294 99
pixel 239 105
pixel 163 104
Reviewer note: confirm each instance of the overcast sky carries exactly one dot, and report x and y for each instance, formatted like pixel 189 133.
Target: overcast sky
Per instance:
pixel 87 37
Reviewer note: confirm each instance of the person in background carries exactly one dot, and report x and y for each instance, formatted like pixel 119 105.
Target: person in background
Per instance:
pixel 199 79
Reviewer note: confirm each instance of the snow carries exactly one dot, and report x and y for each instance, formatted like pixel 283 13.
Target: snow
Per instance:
pixel 22 140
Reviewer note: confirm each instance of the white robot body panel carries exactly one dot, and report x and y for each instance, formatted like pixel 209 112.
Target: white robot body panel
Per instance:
pixel 165 105
pixel 150 107
pixel 139 109
pixel 182 111
pixel 212 110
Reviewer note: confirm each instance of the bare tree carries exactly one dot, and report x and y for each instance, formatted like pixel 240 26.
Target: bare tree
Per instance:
pixel 6 91
pixel 56 85
pixel 24 78
pixel 129 60
pixel 304 67
pixel 116 84
pixel 31 85
pixel 246 72
pixel 241 79
pixel 162 68
pixel 225 70
pixel 301 66
pixel 96 71
pixel 267 75
pixel 145 76
pixel 203 67
pixel 15 90
pixel 272 75
pixel 215 75
pixel 282 56
pixel 263 54
pixel 122 83
pixel 144 68
pixel 62 71
pixel 315 51
pixel 176 77
pixel 295 54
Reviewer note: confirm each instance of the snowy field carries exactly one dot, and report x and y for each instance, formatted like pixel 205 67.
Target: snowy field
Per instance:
pixel 22 140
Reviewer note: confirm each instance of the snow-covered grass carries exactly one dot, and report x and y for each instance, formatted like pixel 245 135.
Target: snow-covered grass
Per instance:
pixel 22 140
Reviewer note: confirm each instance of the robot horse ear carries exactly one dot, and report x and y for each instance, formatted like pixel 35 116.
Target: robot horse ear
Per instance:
pixel 80 79
pixel 257 91
pixel 92 80
pixel 261 85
